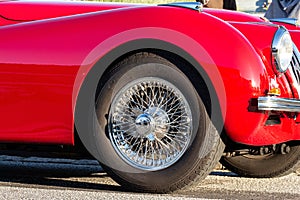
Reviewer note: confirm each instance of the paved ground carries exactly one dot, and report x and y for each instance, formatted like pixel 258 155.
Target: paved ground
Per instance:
pixel 43 178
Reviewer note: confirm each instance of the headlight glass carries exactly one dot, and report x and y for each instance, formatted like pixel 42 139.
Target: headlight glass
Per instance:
pixel 282 49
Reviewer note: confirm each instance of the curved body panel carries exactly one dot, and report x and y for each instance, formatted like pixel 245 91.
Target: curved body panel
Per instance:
pixel 42 71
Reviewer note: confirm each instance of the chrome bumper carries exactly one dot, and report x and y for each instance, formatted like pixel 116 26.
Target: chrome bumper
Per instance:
pixel 278 104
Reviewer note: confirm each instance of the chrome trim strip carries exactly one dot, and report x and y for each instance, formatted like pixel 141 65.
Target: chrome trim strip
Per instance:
pixel 292 21
pixel 296 50
pixel 270 103
pixel 189 5
pixel 294 69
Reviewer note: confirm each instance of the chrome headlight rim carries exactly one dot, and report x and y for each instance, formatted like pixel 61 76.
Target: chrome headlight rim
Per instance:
pixel 282 42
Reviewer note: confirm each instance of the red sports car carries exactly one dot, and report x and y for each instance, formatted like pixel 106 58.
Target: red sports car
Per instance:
pixel 156 93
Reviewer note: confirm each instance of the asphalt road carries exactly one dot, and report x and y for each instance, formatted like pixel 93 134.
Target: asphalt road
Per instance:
pixel 44 178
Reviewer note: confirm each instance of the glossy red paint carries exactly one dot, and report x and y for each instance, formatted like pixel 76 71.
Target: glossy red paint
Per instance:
pixel 262 45
pixel 43 63
pixel 288 26
pixel 230 16
pixel 30 10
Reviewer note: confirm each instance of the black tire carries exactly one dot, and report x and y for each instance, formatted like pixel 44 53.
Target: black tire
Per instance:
pixel 267 166
pixel 202 152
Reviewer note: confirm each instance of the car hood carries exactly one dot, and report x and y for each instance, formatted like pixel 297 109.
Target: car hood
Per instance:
pixel 251 25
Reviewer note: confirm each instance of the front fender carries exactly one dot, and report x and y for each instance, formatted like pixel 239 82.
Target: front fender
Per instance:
pixel 88 79
pixel 221 62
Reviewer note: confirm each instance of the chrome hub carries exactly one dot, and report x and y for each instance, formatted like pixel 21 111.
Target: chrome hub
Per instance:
pixel 144 125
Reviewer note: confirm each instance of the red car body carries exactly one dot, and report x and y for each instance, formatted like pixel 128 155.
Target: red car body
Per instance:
pixel 48 49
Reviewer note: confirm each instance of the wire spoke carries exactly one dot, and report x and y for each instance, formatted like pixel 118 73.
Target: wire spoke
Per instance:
pixel 150 123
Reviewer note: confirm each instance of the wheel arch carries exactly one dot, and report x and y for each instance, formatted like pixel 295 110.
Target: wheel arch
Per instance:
pixel 96 76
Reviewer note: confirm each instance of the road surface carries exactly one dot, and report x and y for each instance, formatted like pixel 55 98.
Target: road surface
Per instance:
pixel 44 178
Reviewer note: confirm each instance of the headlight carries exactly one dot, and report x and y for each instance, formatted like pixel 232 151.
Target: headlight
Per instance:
pixel 282 49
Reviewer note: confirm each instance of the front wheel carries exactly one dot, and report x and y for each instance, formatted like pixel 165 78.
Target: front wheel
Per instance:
pixel 154 133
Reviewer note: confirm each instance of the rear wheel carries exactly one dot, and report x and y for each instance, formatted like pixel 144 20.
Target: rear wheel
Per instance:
pixel 154 133
pixel 265 162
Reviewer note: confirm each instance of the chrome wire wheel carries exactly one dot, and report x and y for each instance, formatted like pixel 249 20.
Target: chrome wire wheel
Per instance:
pixel 152 132
pixel 150 124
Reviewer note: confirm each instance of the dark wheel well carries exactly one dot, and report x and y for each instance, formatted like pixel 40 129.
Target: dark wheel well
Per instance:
pixel 183 65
